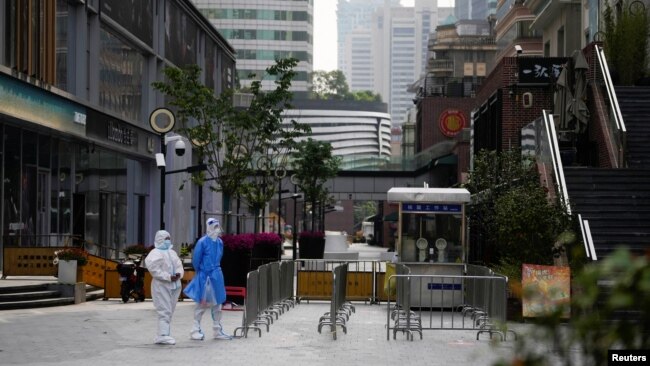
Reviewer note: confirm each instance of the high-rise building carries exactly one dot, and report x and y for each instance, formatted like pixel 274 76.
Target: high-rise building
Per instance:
pixel 262 31
pixel 355 52
pixel 474 9
pixel 400 36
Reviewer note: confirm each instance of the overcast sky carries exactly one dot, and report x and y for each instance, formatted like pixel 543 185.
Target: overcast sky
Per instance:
pixel 325 32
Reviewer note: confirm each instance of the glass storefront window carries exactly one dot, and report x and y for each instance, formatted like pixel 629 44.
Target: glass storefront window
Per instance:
pixel 430 228
pixel 12 226
pixel 121 74
pixel 62 44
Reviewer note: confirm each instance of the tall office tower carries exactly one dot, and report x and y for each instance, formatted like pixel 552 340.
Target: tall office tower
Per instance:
pixel 262 31
pixel 354 25
pixel 474 9
pixel 400 36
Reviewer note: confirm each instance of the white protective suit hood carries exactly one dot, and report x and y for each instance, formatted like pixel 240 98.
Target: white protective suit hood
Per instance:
pixel 213 228
pixel 160 237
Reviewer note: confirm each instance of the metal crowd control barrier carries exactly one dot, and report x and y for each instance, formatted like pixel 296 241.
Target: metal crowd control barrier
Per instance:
pixel 287 273
pixel 452 302
pixel 251 306
pixel 340 310
pixel 269 293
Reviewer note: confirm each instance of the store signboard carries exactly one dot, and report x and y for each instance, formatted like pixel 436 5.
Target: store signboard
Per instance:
pixel 430 208
pixel 546 289
pixel 30 103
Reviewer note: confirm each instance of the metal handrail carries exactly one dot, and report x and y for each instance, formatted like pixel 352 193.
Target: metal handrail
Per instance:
pixel 587 239
pixel 558 168
pixel 614 106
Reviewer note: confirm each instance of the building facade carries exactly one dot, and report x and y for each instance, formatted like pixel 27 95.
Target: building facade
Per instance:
pixel 355 51
pixel 262 31
pixel 360 132
pixel 77 147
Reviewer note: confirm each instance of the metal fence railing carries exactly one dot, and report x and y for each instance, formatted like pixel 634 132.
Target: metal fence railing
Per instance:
pixel 448 302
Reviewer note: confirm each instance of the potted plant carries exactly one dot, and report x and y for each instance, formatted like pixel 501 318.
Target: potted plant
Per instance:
pixel 138 250
pixel 235 263
pixel 69 261
pixel 311 244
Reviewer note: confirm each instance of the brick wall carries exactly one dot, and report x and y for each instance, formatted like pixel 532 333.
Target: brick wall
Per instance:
pixel 513 113
pixel 431 109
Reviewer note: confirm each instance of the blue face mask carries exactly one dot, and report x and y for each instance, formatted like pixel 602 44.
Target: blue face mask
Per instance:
pixel 165 245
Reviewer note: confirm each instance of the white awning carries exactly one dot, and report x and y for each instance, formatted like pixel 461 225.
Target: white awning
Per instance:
pixel 428 195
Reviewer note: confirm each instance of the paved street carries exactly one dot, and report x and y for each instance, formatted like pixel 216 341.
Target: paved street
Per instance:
pixel 113 333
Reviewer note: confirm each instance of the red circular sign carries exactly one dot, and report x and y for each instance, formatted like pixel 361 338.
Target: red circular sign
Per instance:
pixel 452 121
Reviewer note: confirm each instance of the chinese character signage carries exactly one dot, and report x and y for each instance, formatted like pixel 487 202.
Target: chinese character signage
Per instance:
pixel 430 207
pixel 546 289
pixel 539 70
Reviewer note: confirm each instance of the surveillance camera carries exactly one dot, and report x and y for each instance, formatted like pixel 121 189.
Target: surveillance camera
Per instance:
pixel 179 147
pixel 519 49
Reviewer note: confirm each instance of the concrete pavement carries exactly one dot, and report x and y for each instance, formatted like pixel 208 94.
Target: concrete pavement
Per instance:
pixel 113 333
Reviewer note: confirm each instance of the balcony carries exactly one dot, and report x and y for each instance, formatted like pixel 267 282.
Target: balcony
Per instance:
pixel 441 67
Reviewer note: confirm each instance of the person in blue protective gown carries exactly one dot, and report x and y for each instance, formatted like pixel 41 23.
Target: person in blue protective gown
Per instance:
pixel 166 270
pixel 206 259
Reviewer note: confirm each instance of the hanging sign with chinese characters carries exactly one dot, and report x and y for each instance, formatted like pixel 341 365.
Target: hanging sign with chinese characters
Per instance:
pixel 540 70
pixel 452 121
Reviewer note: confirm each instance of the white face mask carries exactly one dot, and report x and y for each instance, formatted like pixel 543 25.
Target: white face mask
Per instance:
pixel 215 233
pixel 166 245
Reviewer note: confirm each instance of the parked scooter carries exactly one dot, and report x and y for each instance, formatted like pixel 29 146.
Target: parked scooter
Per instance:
pixel 131 278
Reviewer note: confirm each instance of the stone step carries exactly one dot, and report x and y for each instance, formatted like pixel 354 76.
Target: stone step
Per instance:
pixel 29 304
pixel 26 296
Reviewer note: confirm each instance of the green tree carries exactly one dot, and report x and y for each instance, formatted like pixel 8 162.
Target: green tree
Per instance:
pixel 365 96
pixel 626 33
pixel 229 138
pixel 313 165
pixel 510 211
pixel 333 85
pixel 329 85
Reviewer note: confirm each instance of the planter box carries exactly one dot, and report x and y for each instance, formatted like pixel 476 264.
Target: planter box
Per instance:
pixel 311 248
pixel 69 272
pixel 235 265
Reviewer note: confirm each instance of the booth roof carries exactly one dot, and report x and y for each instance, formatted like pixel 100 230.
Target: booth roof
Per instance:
pixel 428 195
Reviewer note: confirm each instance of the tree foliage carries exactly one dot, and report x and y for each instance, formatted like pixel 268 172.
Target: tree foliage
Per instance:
pixel 511 211
pixel 232 140
pixel 313 165
pixel 626 33
pixel 333 85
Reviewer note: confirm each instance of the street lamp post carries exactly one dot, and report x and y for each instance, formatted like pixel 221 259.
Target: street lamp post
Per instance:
pixel 162 120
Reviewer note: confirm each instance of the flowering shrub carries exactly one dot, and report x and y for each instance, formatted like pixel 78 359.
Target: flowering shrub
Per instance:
pixel 309 236
pixel 311 244
pixel 268 239
pixel 71 254
pixel 137 249
pixel 238 242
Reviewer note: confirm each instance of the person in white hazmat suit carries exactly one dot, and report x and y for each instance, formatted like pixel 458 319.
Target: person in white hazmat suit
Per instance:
pixel 206 259
pixel 166 270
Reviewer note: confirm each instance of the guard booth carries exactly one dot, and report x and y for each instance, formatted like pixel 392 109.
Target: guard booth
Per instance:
pixel 431 240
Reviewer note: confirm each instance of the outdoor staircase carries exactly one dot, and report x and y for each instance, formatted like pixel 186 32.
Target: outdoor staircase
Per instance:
pixel 40 295
pixel 635 107
pixel 616 202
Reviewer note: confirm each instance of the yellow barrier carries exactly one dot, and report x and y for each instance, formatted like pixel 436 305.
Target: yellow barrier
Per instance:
pixel 113 284
pixel 29 261
pixel 93 271
pixel 317 285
